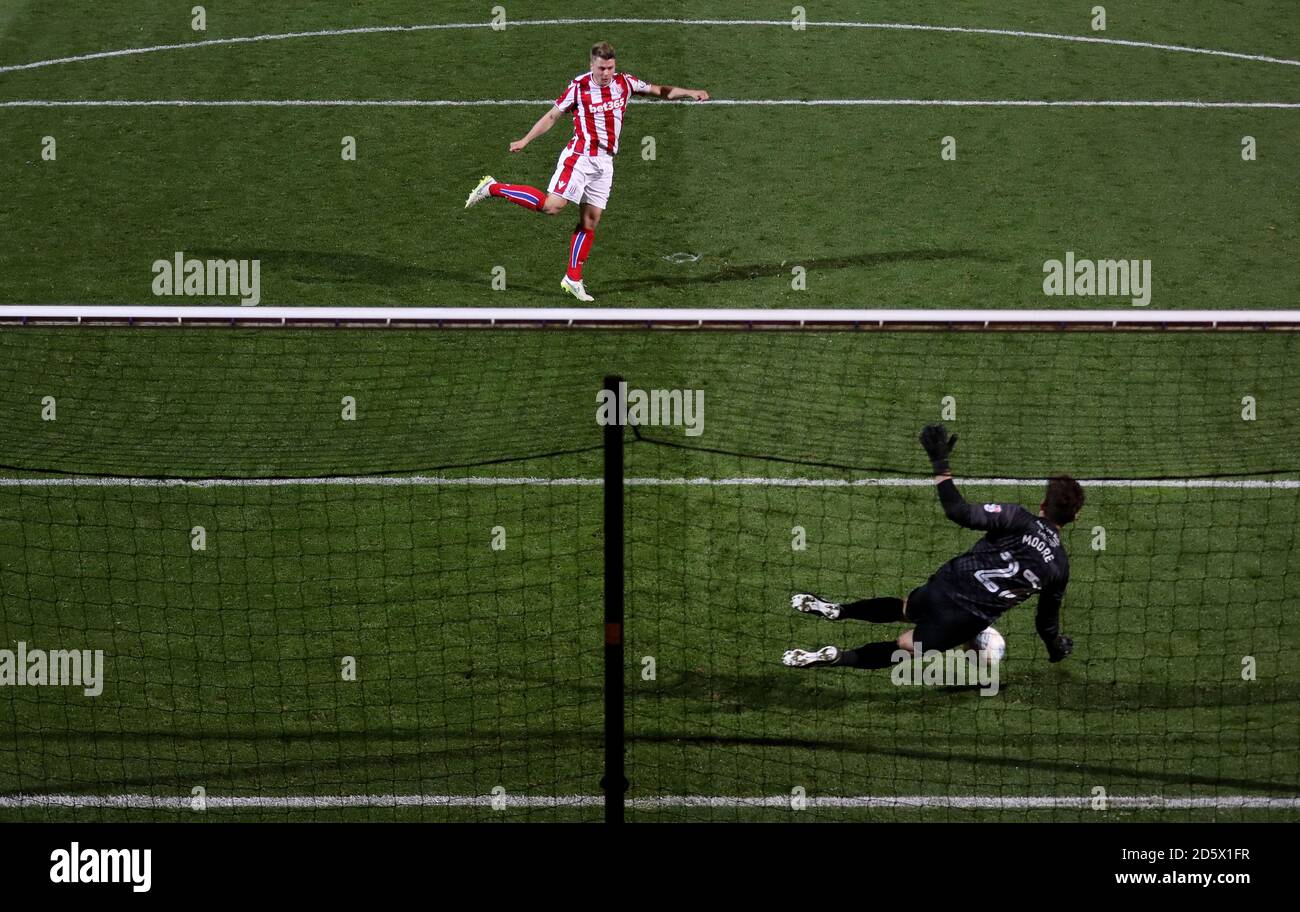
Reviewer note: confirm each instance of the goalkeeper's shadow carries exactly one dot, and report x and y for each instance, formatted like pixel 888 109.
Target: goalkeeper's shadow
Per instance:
pixel 783 688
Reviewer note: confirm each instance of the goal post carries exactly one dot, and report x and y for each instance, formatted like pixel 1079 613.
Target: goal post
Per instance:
pixel 651 318
pixel 614 780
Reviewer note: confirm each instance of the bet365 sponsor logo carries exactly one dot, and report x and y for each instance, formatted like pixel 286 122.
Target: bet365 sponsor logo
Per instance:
pixel 652 408
pixel 609 107
pixel 1074 277
pixel 76 865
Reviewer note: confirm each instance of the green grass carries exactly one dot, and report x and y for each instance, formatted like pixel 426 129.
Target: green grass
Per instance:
pixel 857 196
pixel 481 668
pixel 226 672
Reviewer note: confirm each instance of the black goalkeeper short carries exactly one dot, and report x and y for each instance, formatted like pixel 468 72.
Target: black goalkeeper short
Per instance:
pixel 940 624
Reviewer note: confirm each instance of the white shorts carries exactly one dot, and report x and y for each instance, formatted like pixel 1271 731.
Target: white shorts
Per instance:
pixel 584 178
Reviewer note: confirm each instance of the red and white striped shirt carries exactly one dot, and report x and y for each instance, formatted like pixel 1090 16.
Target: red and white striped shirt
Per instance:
pixel 598 111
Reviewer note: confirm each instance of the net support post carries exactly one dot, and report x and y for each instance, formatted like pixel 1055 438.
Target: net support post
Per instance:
pixel 614 781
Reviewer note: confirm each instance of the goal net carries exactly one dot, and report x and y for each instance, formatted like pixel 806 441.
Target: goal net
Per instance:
pixel 354 568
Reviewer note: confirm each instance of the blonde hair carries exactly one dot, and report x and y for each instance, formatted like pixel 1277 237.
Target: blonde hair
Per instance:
pixel 604 50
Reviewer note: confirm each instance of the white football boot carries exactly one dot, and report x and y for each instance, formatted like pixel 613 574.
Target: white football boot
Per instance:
pixel 577 289
pixel 481 192
pixel 798 658
pixel 813 604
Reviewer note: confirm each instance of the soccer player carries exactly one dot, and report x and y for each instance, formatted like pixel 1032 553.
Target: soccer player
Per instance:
pixel 1020 555
pixel 585 172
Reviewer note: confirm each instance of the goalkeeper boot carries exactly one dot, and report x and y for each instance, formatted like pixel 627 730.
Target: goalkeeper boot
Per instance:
pixel 481 192
pixel 798 658
pixel 577 289
pixel 815 604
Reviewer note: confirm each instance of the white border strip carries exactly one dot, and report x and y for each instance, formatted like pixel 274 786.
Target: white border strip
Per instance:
pixel 646 316
pixel 777 802
pixel 780 23
pixel 433 481
pixel 754 102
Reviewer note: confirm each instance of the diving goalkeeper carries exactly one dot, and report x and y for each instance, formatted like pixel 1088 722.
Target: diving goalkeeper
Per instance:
pixel 1019 556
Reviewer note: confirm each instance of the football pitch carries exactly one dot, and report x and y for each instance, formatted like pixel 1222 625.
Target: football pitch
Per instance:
pixel 480 669
pixel 860 197
pixel 395 614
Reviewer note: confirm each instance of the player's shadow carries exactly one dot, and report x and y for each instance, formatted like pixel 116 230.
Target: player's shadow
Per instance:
pixel 699 698
pixel 1045 689
pixel 320 267
pixel 734 272
pixel 701 692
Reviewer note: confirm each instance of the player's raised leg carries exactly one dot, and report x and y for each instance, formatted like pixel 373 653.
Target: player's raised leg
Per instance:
pixel 523 195
pixel 530 198
pixel 481 192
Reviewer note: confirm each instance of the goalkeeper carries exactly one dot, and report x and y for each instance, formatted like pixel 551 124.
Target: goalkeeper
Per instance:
pixel 1020 555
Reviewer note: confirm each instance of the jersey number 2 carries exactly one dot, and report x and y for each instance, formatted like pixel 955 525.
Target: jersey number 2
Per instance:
pixel 989 578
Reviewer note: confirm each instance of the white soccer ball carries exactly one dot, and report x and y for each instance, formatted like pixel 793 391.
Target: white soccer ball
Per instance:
pixel 991 643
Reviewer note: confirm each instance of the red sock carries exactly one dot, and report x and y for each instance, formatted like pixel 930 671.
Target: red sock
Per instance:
pixel 520 194
pixel 579 248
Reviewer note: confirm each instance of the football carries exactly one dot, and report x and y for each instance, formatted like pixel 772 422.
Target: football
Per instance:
pixel 991 642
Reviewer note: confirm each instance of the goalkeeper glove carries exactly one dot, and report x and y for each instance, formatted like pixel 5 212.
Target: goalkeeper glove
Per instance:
pixel 1059 648
pixel 938 445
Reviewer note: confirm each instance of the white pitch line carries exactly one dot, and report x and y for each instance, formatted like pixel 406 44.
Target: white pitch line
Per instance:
pixel 236 802
pixel 339 481
pixel 780 23
pixel 95 481
pixel 776 802
pixel 969 802
pixel 738 102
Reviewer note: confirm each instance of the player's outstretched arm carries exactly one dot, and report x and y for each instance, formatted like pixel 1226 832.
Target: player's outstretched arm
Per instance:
pixel 542 126
pixel 672 93
pixel 1048 624
pixel 938 446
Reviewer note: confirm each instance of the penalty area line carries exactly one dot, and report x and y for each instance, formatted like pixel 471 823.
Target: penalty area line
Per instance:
pixel 733 102
pixel 89 481
pixel 666 802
